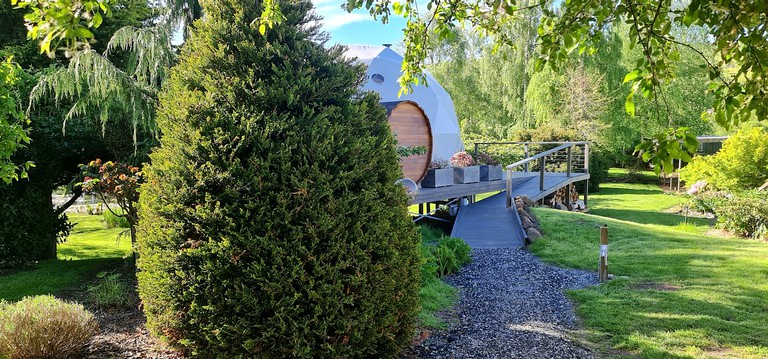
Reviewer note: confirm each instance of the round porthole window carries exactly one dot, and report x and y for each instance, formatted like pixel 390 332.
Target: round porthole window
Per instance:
pixel 377 78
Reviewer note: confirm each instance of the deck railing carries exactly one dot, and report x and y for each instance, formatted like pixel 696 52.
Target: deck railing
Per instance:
pixel 568 157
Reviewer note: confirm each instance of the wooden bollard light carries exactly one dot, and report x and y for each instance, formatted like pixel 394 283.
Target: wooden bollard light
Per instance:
pixel 603 266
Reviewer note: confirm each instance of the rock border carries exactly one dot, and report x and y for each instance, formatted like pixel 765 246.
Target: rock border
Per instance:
pixel 531 225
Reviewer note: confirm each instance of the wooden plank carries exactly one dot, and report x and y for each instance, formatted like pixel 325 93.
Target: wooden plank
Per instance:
pixel 488 224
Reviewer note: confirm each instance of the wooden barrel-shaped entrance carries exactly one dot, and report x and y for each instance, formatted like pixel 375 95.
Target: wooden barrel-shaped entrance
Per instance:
pixel 411 128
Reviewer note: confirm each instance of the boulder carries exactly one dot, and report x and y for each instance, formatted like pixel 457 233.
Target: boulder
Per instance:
pixel 526 200
pixel 533 234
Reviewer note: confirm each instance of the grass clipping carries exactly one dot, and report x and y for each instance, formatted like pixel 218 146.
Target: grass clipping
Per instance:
pixel 44 327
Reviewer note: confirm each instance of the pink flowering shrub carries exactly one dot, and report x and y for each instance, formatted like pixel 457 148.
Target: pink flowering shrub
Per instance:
pixel 462 159
pixel 697 187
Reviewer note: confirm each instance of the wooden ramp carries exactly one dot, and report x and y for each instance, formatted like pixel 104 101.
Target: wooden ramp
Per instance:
pixel 489 224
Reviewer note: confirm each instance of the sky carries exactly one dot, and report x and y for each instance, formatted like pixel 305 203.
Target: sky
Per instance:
pixel 357 28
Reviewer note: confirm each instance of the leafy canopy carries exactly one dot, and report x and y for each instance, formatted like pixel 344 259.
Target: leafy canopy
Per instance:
pixel 12 121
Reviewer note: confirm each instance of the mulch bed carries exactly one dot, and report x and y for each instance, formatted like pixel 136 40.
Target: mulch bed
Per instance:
pixel 122 331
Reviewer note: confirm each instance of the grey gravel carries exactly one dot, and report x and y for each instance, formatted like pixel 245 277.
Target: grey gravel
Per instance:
pixel 512 306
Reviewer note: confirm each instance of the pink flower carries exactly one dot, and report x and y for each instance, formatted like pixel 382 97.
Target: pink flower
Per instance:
pixel 461 159
pixel 697 187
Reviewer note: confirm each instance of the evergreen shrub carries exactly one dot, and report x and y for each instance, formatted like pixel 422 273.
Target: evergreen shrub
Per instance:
pixel 270 225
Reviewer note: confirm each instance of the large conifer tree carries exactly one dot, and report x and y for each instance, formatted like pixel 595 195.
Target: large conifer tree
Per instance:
pixel 269 224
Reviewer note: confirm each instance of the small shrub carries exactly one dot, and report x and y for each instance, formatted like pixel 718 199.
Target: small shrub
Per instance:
pixel 113 221
pixel 430 234
pixel 447 256
pixel 110 291
pixel 707 202
pixel 428 264
pixel 745 214
pixel 598 170
pixel 741 164
pixel 44 327
pixel 459 248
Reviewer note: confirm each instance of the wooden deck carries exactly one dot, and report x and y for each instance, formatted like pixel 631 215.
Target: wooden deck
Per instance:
pixel 489 224
pixel 522 183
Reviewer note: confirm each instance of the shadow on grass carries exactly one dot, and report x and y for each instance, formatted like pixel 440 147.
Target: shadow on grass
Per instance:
pixel 719 303
pixel 648 217
pixel 628 191
pixel 51 277
pixel 663 324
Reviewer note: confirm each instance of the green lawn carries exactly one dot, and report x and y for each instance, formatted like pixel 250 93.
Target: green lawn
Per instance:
pixel 678 294
pixel 643 203
pixel 89 249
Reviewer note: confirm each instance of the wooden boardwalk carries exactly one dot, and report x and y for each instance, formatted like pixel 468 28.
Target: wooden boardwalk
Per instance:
pixel 489 224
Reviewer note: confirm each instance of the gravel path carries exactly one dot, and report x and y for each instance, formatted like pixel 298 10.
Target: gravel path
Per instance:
pixel 512 306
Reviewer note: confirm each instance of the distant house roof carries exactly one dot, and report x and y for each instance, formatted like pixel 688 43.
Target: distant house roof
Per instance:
pixel 710 139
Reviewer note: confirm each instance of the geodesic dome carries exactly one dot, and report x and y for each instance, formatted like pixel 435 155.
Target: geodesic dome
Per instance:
pixel 384 68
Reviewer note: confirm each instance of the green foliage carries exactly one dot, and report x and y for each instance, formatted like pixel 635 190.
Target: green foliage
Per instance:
pixel 110 291
pixel 708 202
pixel 32 224
pixel 12 121
pixel 598 170
pixel 745 214
pixel 118 181
pixel 435 295
pixel 270 225
pixel 44 327
pixel 90 248
pixel 111 220
pixel 577 27
pixel 741 164
pixel 663 148
pixel 54 22
pixel 444 256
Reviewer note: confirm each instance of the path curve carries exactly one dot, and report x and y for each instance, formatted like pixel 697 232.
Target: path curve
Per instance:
pixel 512 306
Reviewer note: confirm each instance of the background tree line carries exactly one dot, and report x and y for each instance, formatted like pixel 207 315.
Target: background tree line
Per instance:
pixel 499 97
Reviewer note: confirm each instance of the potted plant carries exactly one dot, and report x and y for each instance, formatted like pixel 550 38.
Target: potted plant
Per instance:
pixel 439 174
pixel 490 169
pixel 463 169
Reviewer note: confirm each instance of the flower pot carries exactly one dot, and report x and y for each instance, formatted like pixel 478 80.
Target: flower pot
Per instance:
pixel 469 174
pixel 490 172
pixel 438 177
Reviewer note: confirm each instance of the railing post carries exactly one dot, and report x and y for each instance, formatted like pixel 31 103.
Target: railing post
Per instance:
pixel 586 157
pixel 475 156
pixel 525 148
pixel 603 266
pixel 543 163
pixel 509 188
pixel 569 163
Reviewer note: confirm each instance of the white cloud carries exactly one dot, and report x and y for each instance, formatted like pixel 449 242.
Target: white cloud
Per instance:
pixel 335 17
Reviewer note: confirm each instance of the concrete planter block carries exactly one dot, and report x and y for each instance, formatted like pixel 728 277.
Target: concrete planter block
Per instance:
pixel 438 177
pixel 490 172
pixel 469 174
